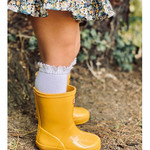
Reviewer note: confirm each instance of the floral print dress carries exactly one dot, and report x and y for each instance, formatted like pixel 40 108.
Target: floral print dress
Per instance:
pixel 81 9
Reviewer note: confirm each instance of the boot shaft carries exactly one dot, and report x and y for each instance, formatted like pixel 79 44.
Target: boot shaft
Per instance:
pixel 55 111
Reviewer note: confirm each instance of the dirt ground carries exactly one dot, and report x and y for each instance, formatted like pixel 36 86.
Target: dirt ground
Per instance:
pixel 115 106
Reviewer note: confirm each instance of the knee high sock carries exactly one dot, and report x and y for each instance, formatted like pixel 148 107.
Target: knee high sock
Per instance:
pixel 51 79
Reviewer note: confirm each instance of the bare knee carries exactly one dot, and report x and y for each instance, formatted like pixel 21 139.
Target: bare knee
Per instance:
pixel 59 54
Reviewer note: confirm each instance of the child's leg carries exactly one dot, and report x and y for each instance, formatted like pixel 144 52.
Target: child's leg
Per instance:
pixel 58 38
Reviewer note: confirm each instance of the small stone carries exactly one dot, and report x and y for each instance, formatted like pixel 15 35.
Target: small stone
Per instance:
pixel 131 143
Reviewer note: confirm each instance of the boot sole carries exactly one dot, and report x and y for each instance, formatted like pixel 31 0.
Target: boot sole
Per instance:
pixel 81 122
pixel 42 147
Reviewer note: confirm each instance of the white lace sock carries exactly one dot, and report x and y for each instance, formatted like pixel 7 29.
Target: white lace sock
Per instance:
pixel 51 79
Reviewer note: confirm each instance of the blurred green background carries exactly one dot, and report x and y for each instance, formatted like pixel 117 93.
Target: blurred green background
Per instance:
pixel 118 39
pixel 114 43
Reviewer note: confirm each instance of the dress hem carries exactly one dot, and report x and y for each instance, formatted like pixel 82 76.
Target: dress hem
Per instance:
pixel 76 16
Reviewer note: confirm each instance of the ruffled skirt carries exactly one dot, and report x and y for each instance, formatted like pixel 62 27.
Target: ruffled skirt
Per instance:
pixel 81 9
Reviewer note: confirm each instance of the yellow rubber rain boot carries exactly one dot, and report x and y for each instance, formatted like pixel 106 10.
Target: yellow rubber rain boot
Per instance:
pixel 80 115
pixel 56 127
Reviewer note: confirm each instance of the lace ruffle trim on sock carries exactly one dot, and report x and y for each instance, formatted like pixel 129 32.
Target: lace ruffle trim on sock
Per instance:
pixel 56 70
